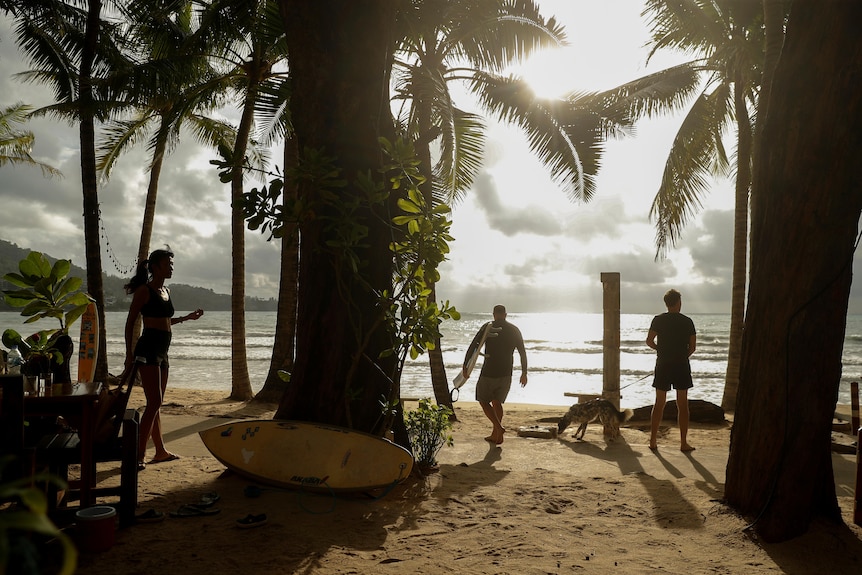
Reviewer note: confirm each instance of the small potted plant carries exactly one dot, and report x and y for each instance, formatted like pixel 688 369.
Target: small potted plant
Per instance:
pixel 428 427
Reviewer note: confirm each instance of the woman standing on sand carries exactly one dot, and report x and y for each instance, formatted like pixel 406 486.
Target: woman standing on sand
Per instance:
pixel 152 301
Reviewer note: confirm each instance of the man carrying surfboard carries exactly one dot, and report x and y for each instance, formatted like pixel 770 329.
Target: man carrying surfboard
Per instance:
pixel 501 340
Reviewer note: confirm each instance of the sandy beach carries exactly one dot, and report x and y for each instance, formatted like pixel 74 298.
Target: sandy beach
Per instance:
pixel 529 506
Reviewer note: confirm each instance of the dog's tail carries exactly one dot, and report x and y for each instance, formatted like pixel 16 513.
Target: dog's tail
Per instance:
pixel 624 415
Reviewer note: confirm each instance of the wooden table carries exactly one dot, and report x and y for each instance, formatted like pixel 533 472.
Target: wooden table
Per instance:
pixel 76 402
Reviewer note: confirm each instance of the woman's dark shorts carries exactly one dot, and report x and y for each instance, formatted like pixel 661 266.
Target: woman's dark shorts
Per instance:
pixel 152 347
pixel 676 375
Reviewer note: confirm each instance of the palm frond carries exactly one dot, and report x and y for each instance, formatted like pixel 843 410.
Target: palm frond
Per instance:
pixel 689 26
pixel 211 132
pixel 16 144
pixel 461 157
pixel 663 92
pixel 118 136
pixel 568 136
pixel 273 110
pixel 685 179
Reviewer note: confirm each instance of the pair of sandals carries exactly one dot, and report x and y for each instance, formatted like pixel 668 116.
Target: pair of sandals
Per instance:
pixel 200 509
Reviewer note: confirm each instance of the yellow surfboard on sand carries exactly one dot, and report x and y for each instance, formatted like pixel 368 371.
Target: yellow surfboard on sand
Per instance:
pixel 88 347
pixel 308 456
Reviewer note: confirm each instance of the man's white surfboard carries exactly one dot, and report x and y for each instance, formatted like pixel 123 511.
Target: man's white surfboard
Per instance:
pixel 464 374
pixel 309 456
pixel 88 346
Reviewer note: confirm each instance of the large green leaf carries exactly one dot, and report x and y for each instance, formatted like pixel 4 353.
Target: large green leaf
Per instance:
pixel 18 280
pixel 68 286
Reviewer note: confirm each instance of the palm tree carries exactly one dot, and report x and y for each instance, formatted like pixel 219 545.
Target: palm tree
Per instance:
pixel 472 42
pixel 245 38
pixel 804 236
pixel 74 50
pixel 727 39
pixel 171 89
pixel 16 144
pixel 274 116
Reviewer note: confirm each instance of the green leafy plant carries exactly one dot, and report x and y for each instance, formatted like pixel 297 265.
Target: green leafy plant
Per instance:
pixel 29 515
pixel 428 427
pixel 44 291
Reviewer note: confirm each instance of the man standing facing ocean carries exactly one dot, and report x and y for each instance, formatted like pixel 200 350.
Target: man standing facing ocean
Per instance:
pixel 677 340
pixel 495 379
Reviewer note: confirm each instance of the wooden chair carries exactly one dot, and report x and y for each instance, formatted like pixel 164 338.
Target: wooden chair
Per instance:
pixel 54 449
pixel 118 431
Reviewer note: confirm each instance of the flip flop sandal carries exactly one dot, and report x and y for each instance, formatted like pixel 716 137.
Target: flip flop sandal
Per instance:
pixel 250 521
pixel 193 511
pixel 150 516
pixel 171 457
pixel 208 499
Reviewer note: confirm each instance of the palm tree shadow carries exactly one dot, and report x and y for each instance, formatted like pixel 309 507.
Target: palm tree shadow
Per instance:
pixel 463 478
pixel 672 509
pixel 710 484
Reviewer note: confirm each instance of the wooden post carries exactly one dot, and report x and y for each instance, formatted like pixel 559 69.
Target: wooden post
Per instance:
pixel 857 504
pixel 611 337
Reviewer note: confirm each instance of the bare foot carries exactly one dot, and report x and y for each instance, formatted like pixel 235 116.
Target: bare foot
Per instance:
pixel 686 448
pixel 653 447
pixel 491 439
pixel 498 435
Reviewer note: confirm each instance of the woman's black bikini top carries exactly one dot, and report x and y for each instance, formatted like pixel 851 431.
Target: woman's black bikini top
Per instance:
pixel 156 306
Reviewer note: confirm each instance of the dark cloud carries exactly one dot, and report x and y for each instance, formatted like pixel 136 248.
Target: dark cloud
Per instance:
pixel 531 219
pixel 710 243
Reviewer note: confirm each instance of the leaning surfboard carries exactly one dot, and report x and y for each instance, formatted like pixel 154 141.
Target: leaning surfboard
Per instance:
pixel 88 347
pixel 309 456
pixel 464 374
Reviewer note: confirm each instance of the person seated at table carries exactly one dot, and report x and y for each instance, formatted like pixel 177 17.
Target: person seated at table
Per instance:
pixel 152 301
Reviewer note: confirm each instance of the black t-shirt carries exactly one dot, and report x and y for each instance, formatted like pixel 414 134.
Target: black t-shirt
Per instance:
pixel 674 333
pixel 500 346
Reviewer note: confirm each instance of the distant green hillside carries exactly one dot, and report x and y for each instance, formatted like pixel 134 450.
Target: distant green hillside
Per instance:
pixel 185 297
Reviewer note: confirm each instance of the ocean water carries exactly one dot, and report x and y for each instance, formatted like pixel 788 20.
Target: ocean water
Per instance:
pixel 564 352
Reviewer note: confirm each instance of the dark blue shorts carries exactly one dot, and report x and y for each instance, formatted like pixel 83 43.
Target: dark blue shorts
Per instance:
pixel 152 347
pixel 675 375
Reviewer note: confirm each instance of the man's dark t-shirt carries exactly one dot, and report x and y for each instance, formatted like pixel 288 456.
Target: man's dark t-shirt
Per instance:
pixel 499 349
pixel 674 333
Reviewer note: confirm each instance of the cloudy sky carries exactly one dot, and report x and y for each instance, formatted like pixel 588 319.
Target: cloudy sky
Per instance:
pixel 519 240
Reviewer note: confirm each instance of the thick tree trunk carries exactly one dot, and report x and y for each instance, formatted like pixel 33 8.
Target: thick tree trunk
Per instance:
pixel 340 56
pixel 780 468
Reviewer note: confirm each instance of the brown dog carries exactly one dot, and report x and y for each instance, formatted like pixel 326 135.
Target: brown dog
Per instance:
pixel 595 409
